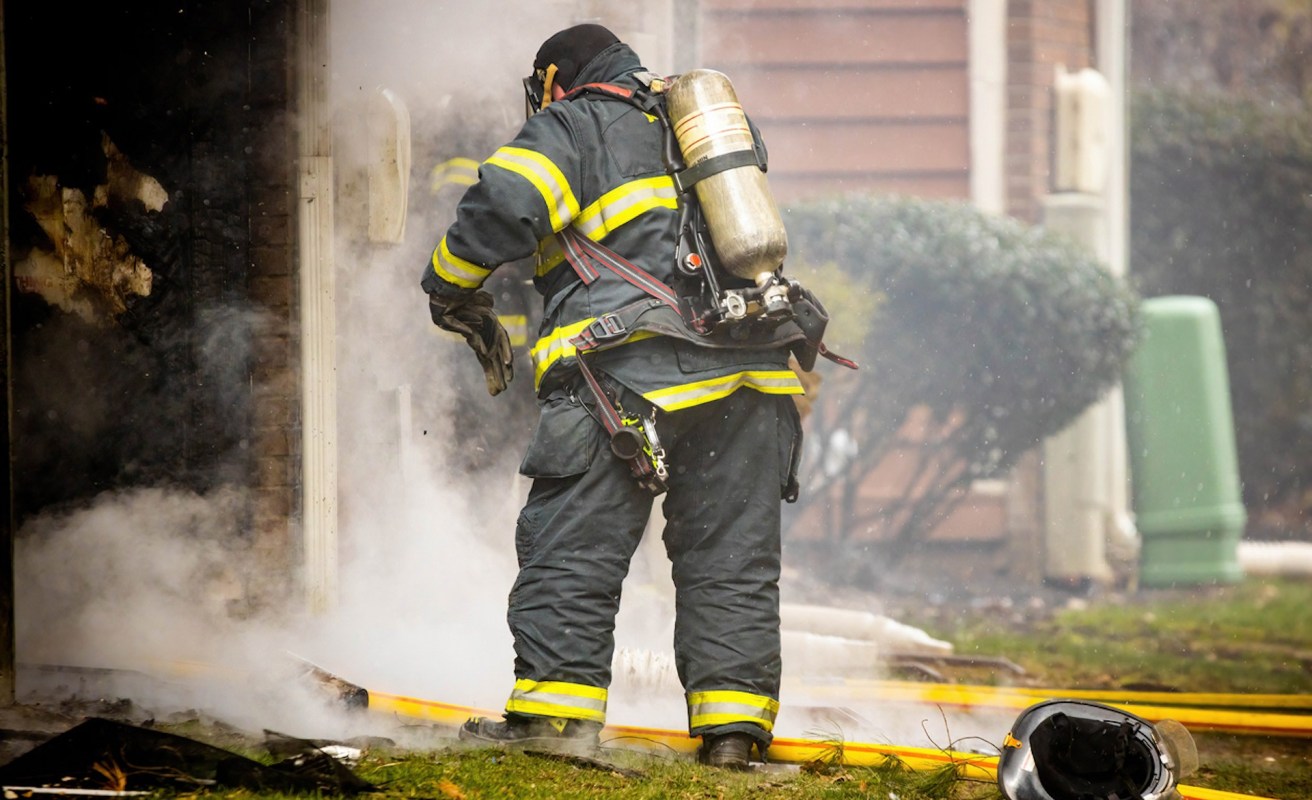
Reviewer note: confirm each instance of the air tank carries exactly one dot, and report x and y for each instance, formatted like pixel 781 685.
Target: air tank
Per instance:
pixel 739 209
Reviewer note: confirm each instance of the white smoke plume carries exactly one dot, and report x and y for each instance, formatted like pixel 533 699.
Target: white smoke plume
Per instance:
pixel 157 579
pixel 428 492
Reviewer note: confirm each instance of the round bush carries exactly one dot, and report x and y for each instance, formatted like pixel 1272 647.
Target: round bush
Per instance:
pixel 1004 332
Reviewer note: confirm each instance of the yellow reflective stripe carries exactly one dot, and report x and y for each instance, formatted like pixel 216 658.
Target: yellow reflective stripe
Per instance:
pixel 723 708
pixel 549 255
pixel 558 699
pixel 783 381
pixel 553 347
pixel 454 269
pixel 458 171
pixel 610 212
pixel 556 345
pixel 516 326
pixel 546 177
pixel 625 202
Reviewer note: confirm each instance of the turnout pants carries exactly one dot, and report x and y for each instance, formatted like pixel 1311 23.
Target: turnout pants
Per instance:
pixel 729 460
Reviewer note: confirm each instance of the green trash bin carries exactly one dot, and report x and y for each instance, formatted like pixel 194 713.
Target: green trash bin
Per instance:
pixel 1180 432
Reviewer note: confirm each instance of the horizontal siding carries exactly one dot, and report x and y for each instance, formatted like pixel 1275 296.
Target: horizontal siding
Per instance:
pixel 759 40
pixel 867 147
pixel 854 92
pixel 851 96
pixel 831 5
pixel 801 186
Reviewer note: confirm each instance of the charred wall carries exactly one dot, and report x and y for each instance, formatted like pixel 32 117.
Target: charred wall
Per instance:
pixel 151 226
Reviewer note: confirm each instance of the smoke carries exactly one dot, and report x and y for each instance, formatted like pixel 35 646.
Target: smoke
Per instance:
pixel 428 511
pixel 119 574
pixel 152 577
pixel 149 583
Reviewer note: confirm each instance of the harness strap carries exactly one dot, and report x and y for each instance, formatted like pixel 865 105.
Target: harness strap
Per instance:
pixel 835 357
pixel 605 88
pixel 577 257
pixel 584 255
pixel 650 102
pixel 646 101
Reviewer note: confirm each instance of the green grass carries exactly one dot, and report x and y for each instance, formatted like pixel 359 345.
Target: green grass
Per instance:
pixel 1252 637
pixel 495 774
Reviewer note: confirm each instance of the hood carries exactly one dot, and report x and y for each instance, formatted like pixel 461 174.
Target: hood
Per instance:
pixel 608 65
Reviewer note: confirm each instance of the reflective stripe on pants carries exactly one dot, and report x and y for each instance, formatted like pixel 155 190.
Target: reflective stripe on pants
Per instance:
pixel 708 709
pixel 558 699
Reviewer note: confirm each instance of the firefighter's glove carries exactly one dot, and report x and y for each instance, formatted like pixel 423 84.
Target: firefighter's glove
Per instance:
pixel 471 316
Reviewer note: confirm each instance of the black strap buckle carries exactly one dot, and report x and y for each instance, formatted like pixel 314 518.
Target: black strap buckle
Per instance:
pixel 607 327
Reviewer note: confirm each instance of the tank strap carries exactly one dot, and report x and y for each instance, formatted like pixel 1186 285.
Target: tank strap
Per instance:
pixel 686 178
pixel 649 101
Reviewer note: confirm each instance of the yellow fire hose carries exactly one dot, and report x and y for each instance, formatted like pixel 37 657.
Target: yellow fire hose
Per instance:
pixel 783 750
pixel 1232 700
pixel 1196 711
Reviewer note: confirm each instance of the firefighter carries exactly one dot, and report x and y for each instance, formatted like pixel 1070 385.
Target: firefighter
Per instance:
pixel 713 428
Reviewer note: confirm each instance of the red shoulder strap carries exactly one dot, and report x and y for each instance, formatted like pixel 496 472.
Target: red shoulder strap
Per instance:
pixel 603 88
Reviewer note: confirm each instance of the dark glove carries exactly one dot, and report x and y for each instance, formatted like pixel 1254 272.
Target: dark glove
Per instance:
pixel 471 316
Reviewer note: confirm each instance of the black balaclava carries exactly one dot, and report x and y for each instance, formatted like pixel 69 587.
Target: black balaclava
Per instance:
pixel 571 50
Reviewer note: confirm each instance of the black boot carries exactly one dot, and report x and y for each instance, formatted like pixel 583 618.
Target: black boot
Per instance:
pixel 728 750
pixel 519 729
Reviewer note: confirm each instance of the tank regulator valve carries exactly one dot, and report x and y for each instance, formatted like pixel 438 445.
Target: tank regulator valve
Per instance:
pixel 734 305
pixel 776 301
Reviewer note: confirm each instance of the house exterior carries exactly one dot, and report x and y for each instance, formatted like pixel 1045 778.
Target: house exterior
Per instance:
pixel 948 99
pixel 200 345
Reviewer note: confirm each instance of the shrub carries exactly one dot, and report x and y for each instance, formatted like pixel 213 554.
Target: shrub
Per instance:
pixel 1221 208
pixel 1000 332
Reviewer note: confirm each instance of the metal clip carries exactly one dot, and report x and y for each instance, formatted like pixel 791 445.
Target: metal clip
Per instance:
pixel 607 327
pixel 650 451
pixel 654 448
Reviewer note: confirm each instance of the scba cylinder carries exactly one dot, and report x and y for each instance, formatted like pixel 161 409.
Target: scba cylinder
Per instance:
pixel 740 211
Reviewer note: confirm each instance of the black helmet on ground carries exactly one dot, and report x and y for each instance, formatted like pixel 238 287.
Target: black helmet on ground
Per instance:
pixel 1079 750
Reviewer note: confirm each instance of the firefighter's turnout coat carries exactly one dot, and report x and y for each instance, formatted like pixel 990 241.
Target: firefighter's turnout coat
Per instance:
pixel 594 163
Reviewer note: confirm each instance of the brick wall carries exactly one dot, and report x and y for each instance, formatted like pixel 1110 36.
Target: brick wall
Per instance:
pixel 1041 34
pixel 272 286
